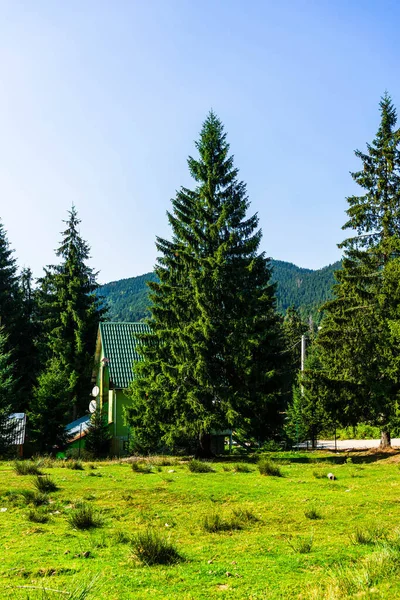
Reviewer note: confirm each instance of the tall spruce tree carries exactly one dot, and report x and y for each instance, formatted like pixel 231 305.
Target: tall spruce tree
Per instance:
pixel 7 391
pixel 13 321
pixel 214 357
pixel 358 345
pixel 70 312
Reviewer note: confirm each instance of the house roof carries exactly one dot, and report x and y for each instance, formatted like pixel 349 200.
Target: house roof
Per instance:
pixel 120 346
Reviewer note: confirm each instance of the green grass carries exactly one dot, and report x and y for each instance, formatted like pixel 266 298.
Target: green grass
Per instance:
pixel 260 542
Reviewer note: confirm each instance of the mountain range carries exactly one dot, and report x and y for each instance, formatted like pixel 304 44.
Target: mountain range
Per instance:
pixel 306 289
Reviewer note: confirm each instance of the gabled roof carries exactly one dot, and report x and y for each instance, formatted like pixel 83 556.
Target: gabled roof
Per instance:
pixel 120 347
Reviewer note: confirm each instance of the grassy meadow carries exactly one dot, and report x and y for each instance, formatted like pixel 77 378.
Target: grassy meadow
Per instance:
pixel 164 530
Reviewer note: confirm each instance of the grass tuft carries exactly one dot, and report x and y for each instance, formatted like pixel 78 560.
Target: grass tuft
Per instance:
pixel 45 484
pixel 214 523
pixel 37 516
pixel 75 465
pixel 242 468
pixel 313 514
pixel 142 467
pixel 25 467
pixel 301 545
pixel 267 467
pixel 199 466
pixel 153 549
pixel 84 517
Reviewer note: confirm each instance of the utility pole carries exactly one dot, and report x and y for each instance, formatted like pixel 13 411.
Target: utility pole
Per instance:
pixel 303 351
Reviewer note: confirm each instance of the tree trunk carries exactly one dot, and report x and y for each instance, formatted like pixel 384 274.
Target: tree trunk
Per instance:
pixel 385 439
pixel 204 450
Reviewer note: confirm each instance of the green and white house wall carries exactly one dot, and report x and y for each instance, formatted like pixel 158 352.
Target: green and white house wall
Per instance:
pixel 116 353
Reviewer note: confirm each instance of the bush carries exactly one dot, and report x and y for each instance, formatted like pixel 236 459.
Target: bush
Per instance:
pixel 214 523
pixel 245 515
pixel 267 467
pixel 25 467
pixel 84 517
pixel 199 466
pixel 37 516
pixel 45 484
pixel 152 549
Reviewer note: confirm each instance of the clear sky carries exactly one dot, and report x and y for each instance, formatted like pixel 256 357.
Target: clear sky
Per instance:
pixel 101 102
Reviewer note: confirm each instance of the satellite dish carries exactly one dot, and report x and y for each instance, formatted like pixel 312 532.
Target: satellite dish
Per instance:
pixel 95 391
pixel 92 406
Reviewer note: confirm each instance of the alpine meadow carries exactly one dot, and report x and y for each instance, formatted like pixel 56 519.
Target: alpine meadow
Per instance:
pixel 186 414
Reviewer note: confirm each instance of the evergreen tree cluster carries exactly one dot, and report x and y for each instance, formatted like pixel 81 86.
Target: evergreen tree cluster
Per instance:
pixel 47 339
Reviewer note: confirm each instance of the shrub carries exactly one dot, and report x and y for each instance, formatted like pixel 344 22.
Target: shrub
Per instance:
pixel 25 467
pixel 214 523
pixel 199 466
pixel 152 549
pixel 313 514
pixel 37 516
pixel 45 484
pixel 84 517
pixel 267 467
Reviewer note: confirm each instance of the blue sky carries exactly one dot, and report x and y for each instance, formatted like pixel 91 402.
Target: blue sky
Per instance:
pixel 101 102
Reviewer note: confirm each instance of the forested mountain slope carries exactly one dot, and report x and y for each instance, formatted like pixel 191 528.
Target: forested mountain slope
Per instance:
pixel 127 299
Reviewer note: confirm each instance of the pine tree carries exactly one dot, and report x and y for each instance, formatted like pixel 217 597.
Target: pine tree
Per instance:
pixel 214 356
pixel 70 312
pixel 50 408
pixel 7 391
pixel 11 318
pixel 98 436
pixel 357 345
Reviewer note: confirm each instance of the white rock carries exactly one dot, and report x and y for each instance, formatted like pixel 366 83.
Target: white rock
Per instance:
pixel 331 476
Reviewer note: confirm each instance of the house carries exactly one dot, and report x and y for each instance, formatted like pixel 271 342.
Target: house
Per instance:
pixel 116 352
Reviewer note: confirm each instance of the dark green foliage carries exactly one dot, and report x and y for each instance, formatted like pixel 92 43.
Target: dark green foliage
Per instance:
pixel 25 467
pixel 213 358
pixel 45 484
pixel 51 408
pixel 293 329
pixel 84 517
pixel 153 549
pixel 304 289
pixel 267 467
pixel 70 311
pixel 127 299
pixel 7 387
pixel 98 436
pixel 360 339
pixel 199 466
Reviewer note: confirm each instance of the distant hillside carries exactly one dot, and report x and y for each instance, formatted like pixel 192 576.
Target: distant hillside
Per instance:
pixel 127 299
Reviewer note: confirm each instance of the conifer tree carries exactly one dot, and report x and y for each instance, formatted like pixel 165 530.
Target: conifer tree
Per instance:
pixel 214 356
pixel 98 436
pixel 293 329
pixel 358 345
pixel 7 391
pixel 70 312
